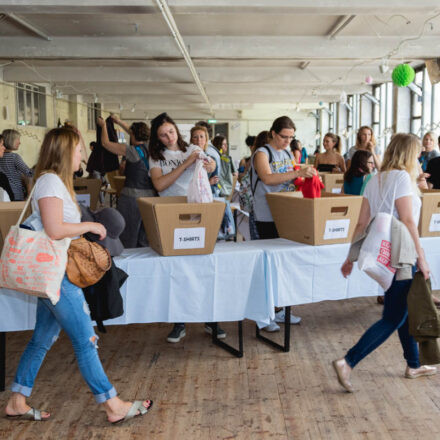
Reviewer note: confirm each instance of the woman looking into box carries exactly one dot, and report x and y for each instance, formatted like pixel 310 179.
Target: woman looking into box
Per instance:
pixel 273 171
pixel 172 164
pixel 331 160
pixel 137 181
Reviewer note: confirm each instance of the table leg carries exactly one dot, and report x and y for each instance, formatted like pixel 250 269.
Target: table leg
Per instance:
pixel 238 353
pixel 235 224
pixel 2 360
pixel 286 346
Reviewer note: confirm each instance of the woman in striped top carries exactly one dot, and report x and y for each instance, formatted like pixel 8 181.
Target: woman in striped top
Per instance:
pixel 12 165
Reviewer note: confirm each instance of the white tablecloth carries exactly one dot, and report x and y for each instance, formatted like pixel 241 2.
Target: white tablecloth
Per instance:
pixel 239 280
pixel 228 285
pixel 299 273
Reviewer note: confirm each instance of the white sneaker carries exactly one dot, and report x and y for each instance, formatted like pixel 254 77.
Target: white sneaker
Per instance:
pixel 272 327
pixel 279 317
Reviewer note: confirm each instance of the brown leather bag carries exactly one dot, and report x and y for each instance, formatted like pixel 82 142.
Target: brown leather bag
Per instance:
pixel 87 262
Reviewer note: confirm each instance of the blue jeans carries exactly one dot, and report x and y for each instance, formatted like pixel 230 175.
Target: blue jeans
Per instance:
pixel 71 314
pixel 394 317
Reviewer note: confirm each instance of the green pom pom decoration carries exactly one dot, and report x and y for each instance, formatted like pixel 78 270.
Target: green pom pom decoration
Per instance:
pixel 403 75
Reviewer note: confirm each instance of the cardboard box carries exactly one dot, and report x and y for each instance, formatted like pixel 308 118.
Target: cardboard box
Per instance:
pixel 175 227
pixel 333 182
pixel 88 191
pixel 429 223
pixel 9 215
pixel 327 220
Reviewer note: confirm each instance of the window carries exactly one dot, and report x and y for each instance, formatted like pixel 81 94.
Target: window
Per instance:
pixel 93 112
pixel 376 112
pixel 417 103
pixel 31 105
pixel 333 117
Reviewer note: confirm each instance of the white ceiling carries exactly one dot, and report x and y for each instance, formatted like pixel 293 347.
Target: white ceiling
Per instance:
pixel 247 54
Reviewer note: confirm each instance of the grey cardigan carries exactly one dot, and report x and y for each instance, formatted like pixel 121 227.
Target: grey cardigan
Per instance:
pixel 403 249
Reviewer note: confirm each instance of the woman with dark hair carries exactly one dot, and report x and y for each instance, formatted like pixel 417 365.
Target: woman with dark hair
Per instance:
pixel 273 171
pixel 137 181
pixel 172 161
pixel 296 151
pixel 331 160
pixel 245 163
pixel 13 166
pixel 172 164
pixel 359 173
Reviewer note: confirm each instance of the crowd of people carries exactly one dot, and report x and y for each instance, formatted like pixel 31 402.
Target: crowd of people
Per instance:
pixel 158 162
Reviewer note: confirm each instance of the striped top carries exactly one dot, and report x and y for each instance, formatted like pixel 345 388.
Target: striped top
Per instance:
pixel 13 166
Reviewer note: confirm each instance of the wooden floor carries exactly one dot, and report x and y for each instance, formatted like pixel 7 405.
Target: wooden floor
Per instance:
pixel 201 392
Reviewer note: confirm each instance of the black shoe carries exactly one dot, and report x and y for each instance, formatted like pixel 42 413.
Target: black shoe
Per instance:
pixel 209 328
pixel 177 333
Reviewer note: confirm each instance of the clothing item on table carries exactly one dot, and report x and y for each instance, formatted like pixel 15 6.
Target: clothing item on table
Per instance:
pixel 114 224
pixel 310 187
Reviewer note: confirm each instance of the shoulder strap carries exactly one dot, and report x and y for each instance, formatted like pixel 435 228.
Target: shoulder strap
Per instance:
pixel 142 156
pixel 253 188
pixel 26 205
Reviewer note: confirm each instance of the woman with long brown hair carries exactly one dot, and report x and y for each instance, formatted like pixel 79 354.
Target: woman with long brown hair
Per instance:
pixel 53 200
pixel 365 140
pixel 393 189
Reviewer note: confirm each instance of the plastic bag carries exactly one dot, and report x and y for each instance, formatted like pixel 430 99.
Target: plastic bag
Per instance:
pixel 375 253
pixel 199 189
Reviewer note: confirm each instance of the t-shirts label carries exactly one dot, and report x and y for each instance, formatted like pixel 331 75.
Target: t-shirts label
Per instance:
pixel 336 229
pixel 189 238
pixel 336 190
pixel 434 224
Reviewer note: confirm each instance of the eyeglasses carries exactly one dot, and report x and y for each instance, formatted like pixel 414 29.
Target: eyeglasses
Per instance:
pixel 284 137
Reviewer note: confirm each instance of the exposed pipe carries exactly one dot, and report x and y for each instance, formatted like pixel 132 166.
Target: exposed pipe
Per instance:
pixel 340 25
pixel 169 19
pixel 28 26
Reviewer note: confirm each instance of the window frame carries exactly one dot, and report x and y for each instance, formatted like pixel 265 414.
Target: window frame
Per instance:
pixel 36 110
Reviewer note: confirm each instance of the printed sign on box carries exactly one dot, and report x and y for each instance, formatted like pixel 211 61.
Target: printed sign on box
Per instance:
pixel 189 238
pixel 434 224
pixel 336 229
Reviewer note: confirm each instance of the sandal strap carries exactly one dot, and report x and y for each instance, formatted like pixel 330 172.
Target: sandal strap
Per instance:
pixel 135 407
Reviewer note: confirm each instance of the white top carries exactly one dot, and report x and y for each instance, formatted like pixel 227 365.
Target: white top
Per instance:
pixel 172 160
pixel 4 197
pixel 384 188
pixel 50 185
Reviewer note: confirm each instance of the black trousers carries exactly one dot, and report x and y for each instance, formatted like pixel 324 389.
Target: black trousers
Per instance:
pixel 267 230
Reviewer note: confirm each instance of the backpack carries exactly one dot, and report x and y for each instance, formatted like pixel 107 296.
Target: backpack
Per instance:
pixel 270 161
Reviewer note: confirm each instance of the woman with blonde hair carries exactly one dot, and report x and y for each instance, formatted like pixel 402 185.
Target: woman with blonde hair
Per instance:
pixel 429 150
pixel 199 136
pixel 393 189
pixel 53 199
pixel 13 166
pixel 365 140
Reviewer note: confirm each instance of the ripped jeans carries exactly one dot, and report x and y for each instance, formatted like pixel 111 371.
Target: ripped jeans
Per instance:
pixel 71 314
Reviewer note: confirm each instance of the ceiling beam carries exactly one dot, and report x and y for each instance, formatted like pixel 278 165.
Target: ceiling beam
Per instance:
pixel 323 7
pixel 29 26
pixel 294 48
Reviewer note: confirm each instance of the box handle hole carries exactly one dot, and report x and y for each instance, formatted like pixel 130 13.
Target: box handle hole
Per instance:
pixel 339 210
pixel 193 219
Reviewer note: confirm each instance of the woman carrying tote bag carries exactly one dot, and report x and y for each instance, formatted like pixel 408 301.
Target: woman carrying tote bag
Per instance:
pixel 393 190
pixel 54 200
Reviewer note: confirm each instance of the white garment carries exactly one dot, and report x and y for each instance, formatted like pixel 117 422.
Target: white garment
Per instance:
pixel 172 160
pixel 4 197
pixel 50 185
pixel 384 188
